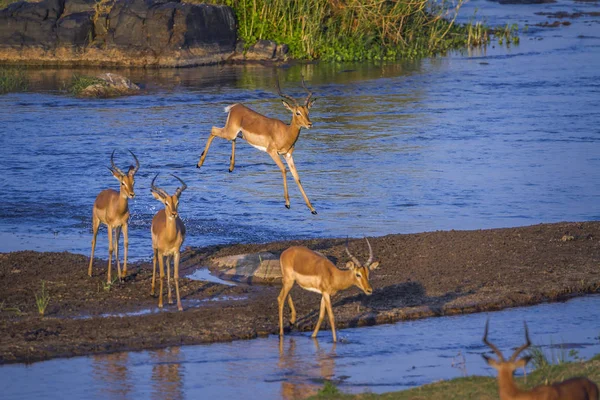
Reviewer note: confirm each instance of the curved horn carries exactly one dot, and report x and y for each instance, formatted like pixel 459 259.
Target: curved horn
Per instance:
pixel 370 260
pixel 309 92
pixel 137 163
pixel 285 96
pixel 157 190
pixel 114 167
pixel 358 264
pixel 182 188
pixel 526 345
pixel 498 353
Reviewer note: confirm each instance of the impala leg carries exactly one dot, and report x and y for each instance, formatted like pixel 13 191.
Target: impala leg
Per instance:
pixel 110 253
pixel 279 163
pixel 117 234
pixel 176 273
pixel 293 309
pixel 161 269
pixel 205 152
pixel 321 316
pixel 287 286
pixel 95 226
pixel 330 314
pixel 125 248
pixel 290 162
pixel 170 297
pixel 154 257
pixel 232 158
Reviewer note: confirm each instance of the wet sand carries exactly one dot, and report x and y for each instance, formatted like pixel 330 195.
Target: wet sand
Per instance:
pixel 421 275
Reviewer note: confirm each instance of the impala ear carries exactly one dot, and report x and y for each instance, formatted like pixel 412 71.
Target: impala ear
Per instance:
pixel 491 362
pixel 522 362
pixel 374 265
pixel 310 103
pixel 350 265
pixel 286 105
pixel 157 197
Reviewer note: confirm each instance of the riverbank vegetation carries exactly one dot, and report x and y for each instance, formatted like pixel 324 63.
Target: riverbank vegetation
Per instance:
pixel 12 79
pixel 357 30
pixel 479 387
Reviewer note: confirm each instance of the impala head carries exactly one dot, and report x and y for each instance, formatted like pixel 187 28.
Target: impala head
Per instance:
pixel 299 112
pixel 361 272
pixel 127 179
pixel 171 202
pixel 501 365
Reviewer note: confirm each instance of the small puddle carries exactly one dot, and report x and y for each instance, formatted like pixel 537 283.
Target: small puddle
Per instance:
pixel 203 274
pixel 377 359
pixel 186 303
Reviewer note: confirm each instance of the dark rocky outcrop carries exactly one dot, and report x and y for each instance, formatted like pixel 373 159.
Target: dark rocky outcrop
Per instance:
pixel 116 32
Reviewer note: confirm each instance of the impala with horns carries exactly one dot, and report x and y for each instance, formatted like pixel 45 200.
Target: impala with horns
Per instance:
pixel 314 272
pixel 267 134
pixel 168 234
pixel 112 209
pixel 571 389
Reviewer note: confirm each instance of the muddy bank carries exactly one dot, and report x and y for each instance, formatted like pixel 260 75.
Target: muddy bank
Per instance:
pixel 421 275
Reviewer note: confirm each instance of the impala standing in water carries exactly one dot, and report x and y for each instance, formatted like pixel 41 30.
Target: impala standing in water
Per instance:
pixel 267 134
pixel 314 272
pixel 112 209
pixel 168 234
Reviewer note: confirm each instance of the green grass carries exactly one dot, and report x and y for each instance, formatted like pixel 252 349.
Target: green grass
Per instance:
pixel 352 30
pixel 80 82
pixel 479 387
pixel 12 79
pixel 42 299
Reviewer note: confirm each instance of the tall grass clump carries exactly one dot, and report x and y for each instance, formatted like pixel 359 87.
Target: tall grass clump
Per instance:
pixel 12 79
pixel 351 30
pixel 42 299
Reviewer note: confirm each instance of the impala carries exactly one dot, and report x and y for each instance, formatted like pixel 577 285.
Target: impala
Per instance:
pixel 572 389
pixel 112 209
pixel 267 134
pixel 314 272
pixel 168 233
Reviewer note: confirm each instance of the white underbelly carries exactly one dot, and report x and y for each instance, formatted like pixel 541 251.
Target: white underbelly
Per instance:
pixel 261 148
pixel 311 289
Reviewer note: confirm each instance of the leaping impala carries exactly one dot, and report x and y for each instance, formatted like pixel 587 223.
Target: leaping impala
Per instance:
pixel 112 209
pixel 267 134
pixel 314 272
pixel 571 389
pixel 168 234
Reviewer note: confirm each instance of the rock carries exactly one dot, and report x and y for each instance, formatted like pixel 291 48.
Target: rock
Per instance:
pixel 263 50
pixel 113 85
pixel 252 268
pixel 117 32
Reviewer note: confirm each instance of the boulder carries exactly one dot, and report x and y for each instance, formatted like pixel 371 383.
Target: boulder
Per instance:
pixel 117 32
pixel 261 268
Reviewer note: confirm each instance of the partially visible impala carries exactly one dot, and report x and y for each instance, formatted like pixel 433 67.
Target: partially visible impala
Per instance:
pixel 267 134
pixel 112 209
pixel 168 234
pixel 571 389
pixel 314 272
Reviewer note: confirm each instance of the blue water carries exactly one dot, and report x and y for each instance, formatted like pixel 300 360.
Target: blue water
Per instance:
pixel 477 139
pixel 376 359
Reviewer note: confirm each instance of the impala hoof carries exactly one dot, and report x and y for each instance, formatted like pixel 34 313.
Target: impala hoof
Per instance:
pixel 198 165
pixel 314 212
pixel 287 206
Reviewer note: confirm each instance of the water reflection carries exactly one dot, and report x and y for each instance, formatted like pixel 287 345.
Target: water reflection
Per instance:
pixel 307 383
pixel 112 376
pixel 167 374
